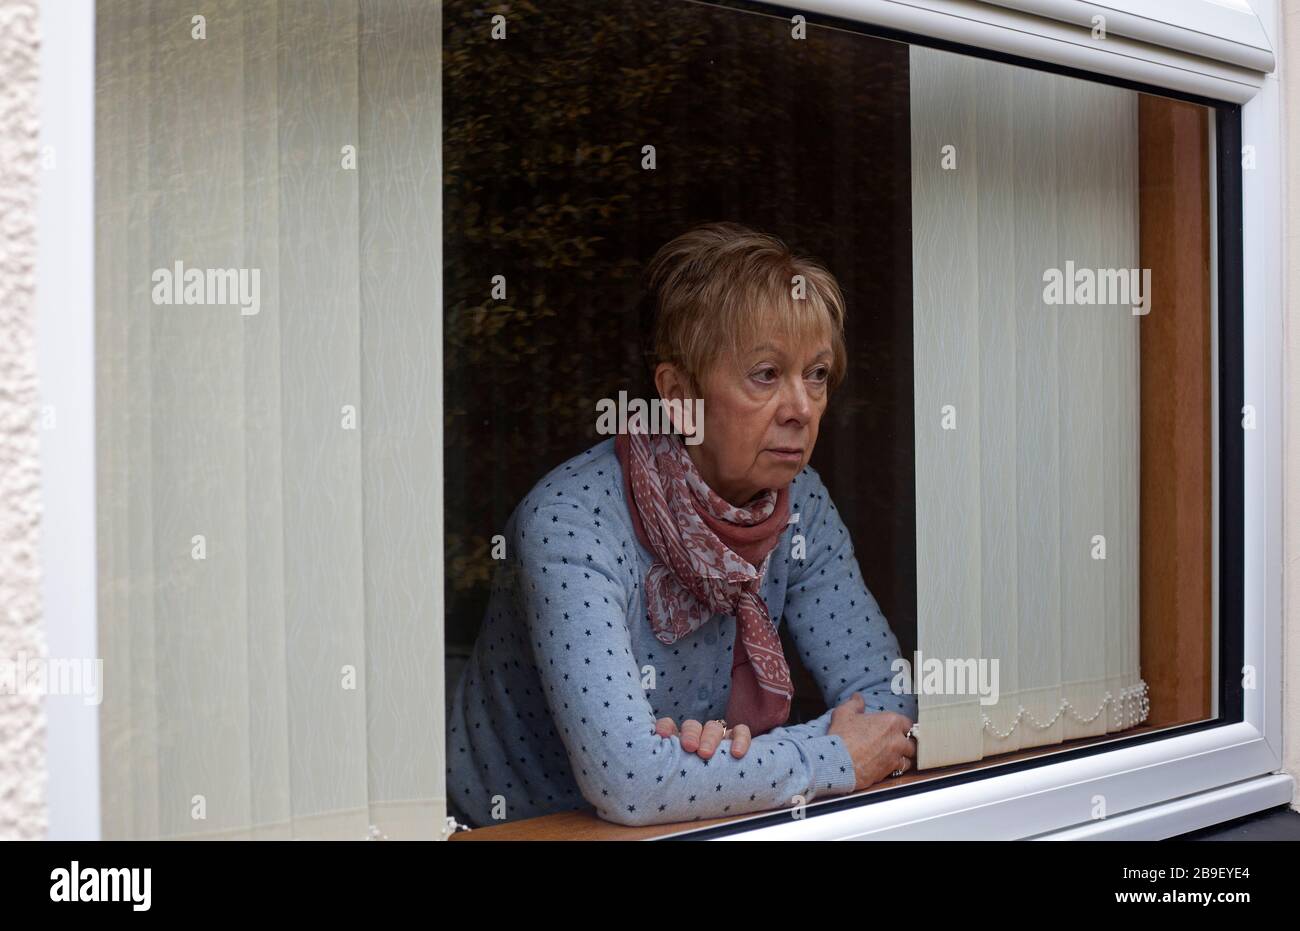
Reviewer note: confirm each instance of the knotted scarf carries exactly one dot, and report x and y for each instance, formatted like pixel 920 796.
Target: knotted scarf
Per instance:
pixel 710 558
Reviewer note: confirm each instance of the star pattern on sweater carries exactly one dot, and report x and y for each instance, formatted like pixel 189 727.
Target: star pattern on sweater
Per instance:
pixel 567 622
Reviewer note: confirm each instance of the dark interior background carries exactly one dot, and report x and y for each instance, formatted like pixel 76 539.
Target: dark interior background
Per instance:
pixel 542 143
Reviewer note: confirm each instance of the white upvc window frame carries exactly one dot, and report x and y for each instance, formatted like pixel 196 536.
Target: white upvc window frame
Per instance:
pixel 1156 788
pixel 65 362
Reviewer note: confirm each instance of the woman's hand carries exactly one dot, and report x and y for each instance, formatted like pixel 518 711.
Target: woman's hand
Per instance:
pixel 704 739
pixel 877 741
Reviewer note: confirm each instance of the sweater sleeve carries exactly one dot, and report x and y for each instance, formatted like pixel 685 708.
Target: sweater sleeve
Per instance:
pixel 816 727
pixel 574 595
pixel 836 624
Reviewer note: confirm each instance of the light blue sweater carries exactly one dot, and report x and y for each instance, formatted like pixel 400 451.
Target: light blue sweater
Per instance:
pixel 557 705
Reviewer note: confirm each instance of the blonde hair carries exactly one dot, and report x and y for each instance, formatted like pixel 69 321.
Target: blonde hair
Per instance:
pixel 721 283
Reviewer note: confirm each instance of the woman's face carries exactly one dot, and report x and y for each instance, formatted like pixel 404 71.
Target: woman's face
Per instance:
pixel 760 415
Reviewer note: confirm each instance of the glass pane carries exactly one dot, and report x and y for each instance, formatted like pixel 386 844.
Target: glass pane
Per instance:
pixel 1025 262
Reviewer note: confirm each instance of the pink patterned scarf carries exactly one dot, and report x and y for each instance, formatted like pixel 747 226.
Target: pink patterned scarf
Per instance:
pixel 710 558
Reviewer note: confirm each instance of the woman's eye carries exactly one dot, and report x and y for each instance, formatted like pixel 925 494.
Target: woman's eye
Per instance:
pixel 765 375
pixel 821 373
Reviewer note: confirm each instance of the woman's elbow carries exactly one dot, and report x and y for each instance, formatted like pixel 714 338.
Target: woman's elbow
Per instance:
pixel 625 802
pixel 628 816
pixel 624 809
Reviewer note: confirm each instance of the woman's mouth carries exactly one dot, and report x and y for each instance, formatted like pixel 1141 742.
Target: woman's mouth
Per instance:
pixel 786 454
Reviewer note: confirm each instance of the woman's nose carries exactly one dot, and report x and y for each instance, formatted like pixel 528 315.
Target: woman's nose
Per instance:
pixel 795 401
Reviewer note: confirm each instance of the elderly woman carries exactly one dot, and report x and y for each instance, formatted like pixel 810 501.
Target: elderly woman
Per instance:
pixel 646 577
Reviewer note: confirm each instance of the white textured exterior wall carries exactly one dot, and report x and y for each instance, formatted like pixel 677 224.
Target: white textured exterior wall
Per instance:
pixel 22 717
pixel 1289 74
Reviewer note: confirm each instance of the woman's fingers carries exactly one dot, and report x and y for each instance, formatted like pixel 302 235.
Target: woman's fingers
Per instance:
pixel 739 740
pixel 906 748
pixel 905 761
pixel 711 737
pixel 691 735
pixel 665 727
pixel 706 738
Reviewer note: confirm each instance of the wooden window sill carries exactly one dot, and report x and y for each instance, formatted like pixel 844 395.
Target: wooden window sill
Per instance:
pixel 583 824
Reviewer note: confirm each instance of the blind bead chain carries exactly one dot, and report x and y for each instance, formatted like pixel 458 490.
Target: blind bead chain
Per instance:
pixel 1134 706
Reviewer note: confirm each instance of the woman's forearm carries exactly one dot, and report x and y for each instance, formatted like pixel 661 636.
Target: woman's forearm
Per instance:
pixel 575 605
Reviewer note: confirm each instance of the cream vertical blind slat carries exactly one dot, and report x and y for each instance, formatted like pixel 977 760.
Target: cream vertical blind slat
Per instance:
pixel 268 509
pixel 197 479
pixel 320 375
pixel 271 804
pixel 401 385
pixel 1026 414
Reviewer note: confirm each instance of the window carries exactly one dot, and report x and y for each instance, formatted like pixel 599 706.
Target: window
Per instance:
pixel 1023 451
pixel 1029 473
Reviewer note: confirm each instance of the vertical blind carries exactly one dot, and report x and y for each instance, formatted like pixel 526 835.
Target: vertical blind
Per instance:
pixel 1026 412
pixel 269 481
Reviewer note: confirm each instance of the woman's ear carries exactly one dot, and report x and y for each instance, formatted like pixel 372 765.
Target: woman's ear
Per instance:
pixel 674 386
pixel 667 379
